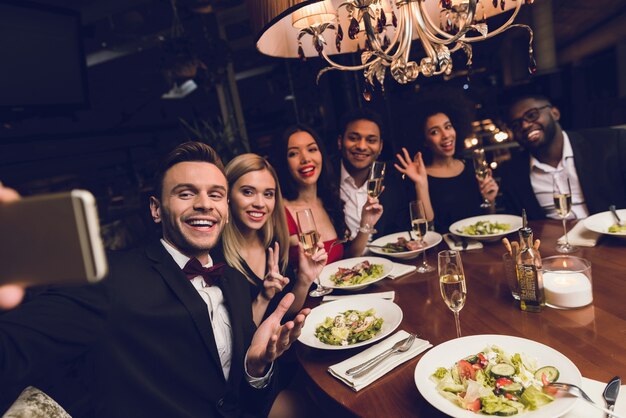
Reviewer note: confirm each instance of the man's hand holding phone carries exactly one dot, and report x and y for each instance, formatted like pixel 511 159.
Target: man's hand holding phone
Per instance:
pixel 10 294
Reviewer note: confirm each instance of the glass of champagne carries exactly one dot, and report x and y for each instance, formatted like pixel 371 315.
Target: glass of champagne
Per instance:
pixel 482 170
pixel 419 225
pixel 452 284
pixel 309 237
pixel 562 194
pixel 375 182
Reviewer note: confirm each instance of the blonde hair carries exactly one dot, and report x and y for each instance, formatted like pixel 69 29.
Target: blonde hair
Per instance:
pixel 275 229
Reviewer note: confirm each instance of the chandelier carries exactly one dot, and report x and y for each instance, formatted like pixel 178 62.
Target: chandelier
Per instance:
pixel 382 32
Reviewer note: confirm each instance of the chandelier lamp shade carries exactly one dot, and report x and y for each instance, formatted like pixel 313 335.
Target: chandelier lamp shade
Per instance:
pixel 381 31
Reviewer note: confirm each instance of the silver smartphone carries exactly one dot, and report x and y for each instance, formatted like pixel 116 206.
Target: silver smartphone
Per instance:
pixel 50 239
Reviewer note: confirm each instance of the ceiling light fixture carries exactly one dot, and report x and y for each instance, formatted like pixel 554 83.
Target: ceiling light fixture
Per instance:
pixel 382 31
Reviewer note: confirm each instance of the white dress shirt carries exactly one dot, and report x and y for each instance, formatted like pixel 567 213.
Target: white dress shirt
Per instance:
pixel 354 197
pixel 541 181
pixel 220 320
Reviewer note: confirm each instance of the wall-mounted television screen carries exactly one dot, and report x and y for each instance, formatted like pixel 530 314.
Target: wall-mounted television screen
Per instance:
pixel 42 62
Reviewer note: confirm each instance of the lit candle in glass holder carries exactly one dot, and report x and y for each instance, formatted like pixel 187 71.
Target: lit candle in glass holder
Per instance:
pixel 567 282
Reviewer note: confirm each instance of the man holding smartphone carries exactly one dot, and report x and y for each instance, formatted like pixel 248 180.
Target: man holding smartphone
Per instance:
pixel 164 334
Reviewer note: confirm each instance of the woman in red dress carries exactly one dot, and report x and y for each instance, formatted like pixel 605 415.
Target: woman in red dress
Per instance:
pixel 307 181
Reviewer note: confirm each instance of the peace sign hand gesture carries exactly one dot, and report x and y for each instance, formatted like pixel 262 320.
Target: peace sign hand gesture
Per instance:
pixel 274 282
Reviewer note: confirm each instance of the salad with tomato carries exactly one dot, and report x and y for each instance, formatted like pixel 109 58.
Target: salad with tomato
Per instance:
pixel 493 382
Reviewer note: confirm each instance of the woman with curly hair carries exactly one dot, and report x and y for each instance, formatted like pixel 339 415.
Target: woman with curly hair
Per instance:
pixel 444 182
pixel 256 240
pixel 308 182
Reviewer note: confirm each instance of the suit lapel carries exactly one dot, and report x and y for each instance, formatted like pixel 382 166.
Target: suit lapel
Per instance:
pixel 235 303
pixel 187 294
pixel 582 167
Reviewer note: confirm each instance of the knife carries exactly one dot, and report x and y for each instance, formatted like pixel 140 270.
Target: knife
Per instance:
pixel 610 393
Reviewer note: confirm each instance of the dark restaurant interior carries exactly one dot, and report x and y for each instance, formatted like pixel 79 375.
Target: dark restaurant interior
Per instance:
pixel 93 93
pixel 104 127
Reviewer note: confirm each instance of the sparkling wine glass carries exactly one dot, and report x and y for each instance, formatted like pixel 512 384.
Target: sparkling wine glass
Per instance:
pixel 452 284
pixel 375 182
pixel 419 225
pixel 482 170
pixel 562 194
pixel 309 237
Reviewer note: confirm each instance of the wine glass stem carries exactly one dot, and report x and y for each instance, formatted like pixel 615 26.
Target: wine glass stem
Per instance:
pixel 424 262
pixel 565 231
pixel 457 322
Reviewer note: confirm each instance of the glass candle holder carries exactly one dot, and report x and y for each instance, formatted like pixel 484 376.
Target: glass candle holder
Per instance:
pixel 510 274
pixel 567 282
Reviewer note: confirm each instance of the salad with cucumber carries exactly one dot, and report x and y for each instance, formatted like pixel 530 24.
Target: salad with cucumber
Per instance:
pixel 493 382
pixel 349 327
pixel 485 228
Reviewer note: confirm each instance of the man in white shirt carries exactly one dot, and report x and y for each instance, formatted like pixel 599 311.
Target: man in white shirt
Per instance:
pixel 594 161
pixel 360 143
pixel 155 340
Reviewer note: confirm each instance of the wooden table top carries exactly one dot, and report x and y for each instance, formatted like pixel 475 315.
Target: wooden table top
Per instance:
pixel 593 337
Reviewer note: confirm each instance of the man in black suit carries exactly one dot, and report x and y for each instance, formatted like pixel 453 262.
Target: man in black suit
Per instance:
pixel 360 143
pixel 594 160
pixel 161 336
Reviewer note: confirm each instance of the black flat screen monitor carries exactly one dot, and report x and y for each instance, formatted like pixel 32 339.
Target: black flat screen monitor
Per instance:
pixel 42 62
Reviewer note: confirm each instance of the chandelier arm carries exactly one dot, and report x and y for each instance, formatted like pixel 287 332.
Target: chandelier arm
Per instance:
pixel 404 28
pixel 369 32
pixel 501 29
pixel 337 66
pixel 427 24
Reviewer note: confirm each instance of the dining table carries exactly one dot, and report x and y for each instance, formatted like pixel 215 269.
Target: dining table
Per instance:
pixel 592 337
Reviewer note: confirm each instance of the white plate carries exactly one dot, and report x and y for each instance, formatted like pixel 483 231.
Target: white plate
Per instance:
pixel 514 221
pixel 332 268
pixel 448 353
pixel 600 223
pixel 386 309
pixel 431 238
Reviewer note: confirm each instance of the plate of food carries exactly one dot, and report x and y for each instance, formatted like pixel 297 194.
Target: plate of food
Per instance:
pixel 496 375
pixel 350 322
pixel 355 273
pixel 399 245
pixel 605 223
pixel 486 227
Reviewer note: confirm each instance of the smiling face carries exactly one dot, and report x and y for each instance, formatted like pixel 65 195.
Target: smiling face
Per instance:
pixel 252 199
pixel 193 207
pixel 440 136
pixel 539 133
pixel 360 145
pixel 304 158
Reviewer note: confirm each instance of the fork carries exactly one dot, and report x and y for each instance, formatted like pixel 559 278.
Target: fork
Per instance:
pixel 399 347
pixel 578 392
pixel 616 216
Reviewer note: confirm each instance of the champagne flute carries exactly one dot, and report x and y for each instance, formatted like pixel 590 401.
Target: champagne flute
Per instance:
pixel 309 237
pixel 419 225
pixel 562 194
pixel 375 182
pixel 482 170
pixel 452 284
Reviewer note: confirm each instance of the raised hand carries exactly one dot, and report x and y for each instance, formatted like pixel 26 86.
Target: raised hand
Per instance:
pixel 310 267
pixel 415 169
pixel 489 188
pixel 273 282
pixel 271 339
pixel 371 212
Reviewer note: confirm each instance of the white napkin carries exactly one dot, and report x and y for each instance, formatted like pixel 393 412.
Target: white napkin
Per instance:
pixel 581 236
pixel 471 244
pixel 594 389
pixel 339 370
pixel 383 295
pixel 400 270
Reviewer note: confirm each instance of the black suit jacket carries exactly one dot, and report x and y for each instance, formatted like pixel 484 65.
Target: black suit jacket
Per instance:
pixel 144 339
pixel 395 201
pixel 600 159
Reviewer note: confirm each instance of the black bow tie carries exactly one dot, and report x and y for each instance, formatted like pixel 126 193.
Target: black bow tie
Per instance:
pixel 211 275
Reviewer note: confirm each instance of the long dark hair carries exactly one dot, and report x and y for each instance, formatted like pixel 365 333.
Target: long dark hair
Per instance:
pixel 327 187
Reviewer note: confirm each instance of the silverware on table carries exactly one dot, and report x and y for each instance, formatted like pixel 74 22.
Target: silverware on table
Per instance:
pixel 465 243
pixel 457 241
pixel 616 216
pixel 610 393
pixel 579 393
pixel 399 347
